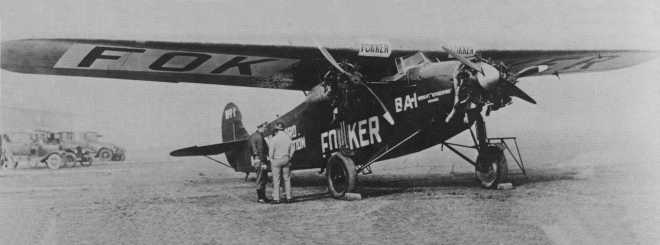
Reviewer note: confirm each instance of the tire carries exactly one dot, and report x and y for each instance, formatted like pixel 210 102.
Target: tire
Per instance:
pixel 70 159
pixel 104 154
pixel 119 158
pixel 341 175
pixel 88 162
pixel 491 167
pixel 54 161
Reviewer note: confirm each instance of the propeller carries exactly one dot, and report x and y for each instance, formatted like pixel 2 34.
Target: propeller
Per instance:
pixel 463 60
pixel 356 78
pixel 491 76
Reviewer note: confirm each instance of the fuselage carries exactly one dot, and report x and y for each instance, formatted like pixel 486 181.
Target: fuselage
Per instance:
pixel 419 101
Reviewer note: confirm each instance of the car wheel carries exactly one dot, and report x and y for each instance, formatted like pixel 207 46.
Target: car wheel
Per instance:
pixel 69 159
pixel 104 154
pixel 54 161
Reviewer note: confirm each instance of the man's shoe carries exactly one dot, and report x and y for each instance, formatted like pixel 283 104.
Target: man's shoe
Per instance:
pixel 261 200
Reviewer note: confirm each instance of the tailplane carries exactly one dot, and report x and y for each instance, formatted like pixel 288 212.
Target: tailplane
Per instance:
pixel 234 142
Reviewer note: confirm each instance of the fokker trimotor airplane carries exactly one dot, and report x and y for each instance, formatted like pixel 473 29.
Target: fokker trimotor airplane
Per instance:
pixel 363 104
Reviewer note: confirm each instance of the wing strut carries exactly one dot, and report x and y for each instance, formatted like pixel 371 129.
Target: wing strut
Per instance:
pixel 379 156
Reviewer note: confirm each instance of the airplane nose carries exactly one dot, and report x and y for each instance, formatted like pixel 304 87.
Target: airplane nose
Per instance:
pixel 490 76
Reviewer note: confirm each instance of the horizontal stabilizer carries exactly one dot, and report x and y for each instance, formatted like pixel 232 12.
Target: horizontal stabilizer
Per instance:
pixel 206 150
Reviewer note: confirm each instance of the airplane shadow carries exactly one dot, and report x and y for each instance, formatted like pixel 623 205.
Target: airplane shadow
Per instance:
pixel 388 184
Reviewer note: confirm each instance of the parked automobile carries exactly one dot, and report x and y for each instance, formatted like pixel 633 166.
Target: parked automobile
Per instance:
pixel 103 151
pixel 39 147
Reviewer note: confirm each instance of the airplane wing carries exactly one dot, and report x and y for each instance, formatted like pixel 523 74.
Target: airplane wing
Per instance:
pixel 282 67
pixel 568 61
pixel 262 66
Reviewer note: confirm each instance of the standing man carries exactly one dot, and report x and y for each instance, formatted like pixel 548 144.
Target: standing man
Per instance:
pixel 6 156
pixel 280 153
pixel 259 151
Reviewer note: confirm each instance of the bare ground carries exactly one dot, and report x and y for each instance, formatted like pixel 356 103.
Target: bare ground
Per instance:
pixel 593 198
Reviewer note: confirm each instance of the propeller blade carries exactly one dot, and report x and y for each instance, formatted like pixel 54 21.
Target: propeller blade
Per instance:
pixel 330 59
pixel 386 114
pixel 514 90
pixel 463 60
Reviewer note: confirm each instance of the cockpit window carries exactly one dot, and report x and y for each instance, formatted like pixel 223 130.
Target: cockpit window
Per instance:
pixel 405 63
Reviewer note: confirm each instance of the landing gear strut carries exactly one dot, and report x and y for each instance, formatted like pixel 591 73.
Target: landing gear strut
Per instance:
pixel 490 166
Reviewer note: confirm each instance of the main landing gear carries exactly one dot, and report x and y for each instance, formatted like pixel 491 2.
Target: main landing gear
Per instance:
pixel 340 174
pixel 491 167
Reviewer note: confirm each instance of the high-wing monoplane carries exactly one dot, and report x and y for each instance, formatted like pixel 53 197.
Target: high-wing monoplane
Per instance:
pixel 363 104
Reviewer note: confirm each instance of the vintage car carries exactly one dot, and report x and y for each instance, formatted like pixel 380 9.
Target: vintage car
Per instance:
pixel 89 140
pixel 35 148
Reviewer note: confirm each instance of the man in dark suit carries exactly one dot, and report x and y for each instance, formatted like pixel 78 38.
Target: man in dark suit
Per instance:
pixel 259 152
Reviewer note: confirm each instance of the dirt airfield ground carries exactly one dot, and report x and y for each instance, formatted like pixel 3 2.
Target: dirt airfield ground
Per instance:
pixel 595 197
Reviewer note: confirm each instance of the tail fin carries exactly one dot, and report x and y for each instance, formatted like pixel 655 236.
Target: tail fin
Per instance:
pixel 233 130
pixel 232 126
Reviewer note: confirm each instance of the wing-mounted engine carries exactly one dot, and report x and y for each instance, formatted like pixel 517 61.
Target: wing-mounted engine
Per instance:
pixel 481 82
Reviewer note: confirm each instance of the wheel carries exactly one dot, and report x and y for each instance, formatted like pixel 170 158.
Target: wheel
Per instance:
pixel 87 161
pixel 119 158
pixel 70 158
pixel 491 167
pixel 104 154
pixel 54 161
pixel 341 175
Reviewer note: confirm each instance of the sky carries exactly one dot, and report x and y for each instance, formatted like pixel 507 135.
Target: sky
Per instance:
pixel 610 105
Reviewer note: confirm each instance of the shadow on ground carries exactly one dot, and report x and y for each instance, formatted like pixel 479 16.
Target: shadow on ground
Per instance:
pixel 387 184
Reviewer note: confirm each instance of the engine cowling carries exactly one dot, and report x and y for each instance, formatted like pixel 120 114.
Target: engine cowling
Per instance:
pixel 488 77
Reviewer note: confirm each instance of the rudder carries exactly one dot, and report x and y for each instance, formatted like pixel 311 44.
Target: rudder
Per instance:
pixel 233 130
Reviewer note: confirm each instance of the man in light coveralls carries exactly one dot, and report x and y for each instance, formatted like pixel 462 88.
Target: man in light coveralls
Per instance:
pixel 280 152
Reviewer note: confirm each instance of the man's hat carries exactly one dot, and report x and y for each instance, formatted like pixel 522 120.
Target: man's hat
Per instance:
pixel 279 126
pixel 262 125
